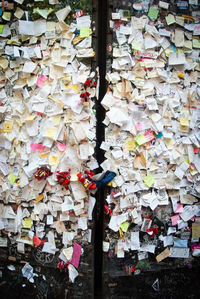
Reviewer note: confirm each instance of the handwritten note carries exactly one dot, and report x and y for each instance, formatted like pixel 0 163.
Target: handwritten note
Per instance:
pixel 153 13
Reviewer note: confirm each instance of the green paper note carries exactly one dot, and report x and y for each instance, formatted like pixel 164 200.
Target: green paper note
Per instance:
pixel 85 32
pixel 124 226
pixel 153 13
pixel 149 180
pixel 196 43
pixel 1 28
pixel 43 12
pixel 12 178
pixel 140 139
pixel 170 19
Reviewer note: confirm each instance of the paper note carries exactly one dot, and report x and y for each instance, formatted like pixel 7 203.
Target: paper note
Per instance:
pixel 6 16
pixel 50 133
pixel 85 32
pixel 196 43
pixel 19 13
pixel 32 28
pixel 37 146
pixel 73 273
pixel 41 80
pixel 12 178
pixel 170 19
pixel 149 180
pixel 175 219
pixel 176 58
pixel 124 226
pixel 29 67
pixel 180 243
pixel 53 159
pixel 1 28
pixel 176 252
pixel 153 13
pixel 7 127
pixel 28 222
pixel 196 230
pixel 76 255
pixel 43 12
pixel 140 139
pixel 3 63
pixel 163 255
pixel 135 241
pixel 63 13
pixel 163 4
pixel 130 145
pixel 189 212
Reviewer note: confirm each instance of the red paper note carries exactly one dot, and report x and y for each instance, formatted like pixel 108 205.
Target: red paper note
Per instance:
pixel 76 255
pixel 37 242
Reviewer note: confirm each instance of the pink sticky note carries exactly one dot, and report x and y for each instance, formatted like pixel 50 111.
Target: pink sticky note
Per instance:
pixel 61 147
pixel 179 208
pixel 139 126
pixel 41 80
pixel 76 255
pixel 149 135
pixel 37 146
pixel 175 219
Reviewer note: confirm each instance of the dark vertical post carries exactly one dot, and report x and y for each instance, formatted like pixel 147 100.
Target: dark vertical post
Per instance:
pixel 100 115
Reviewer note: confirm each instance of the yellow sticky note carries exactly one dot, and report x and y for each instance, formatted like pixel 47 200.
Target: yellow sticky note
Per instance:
pixel 73 87
pixel 12 178
pixel 170 19
pixel 140 139
pixel 1 28
pixel 6 16
pixel 184 121
pixel 130 145
pixel 7 127
pixel 50 133
pixel 3 63
pixel 50 26
pixel 196 43
pixel 30 117
pixel 56 120
pixel 39 198
pixel 124 226
pixel 136 46
pixel 85 32
pixel 53 160
pixel 149 180
pixel 28 222
pixel 19 13
pixel 169 142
